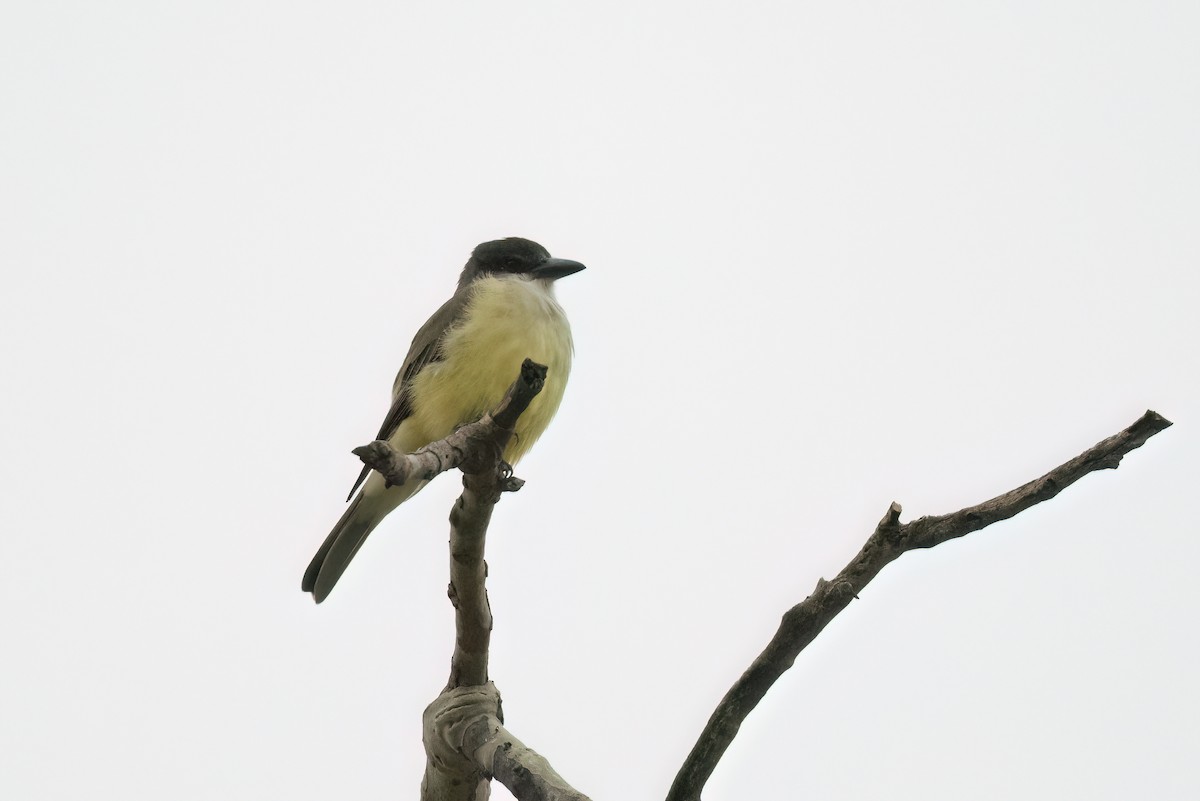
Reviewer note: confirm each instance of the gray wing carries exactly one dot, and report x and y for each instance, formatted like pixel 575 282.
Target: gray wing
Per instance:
pixel 426 349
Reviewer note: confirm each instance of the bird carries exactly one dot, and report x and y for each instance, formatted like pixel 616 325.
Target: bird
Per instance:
pixel 460 364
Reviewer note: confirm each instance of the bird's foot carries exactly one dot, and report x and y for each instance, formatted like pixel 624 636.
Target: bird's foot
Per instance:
pixel 509 482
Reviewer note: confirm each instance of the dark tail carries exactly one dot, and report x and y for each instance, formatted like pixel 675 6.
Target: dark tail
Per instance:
pixel 339 548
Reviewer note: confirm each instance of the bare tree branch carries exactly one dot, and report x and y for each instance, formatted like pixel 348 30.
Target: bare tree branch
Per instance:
pixel 803 622
pixel 485 476
pixel 466 743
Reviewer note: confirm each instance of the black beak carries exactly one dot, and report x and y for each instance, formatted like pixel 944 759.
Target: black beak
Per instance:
pixel 553 269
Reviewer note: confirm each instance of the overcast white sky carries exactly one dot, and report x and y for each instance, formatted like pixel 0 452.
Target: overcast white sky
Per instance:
pixel 839 255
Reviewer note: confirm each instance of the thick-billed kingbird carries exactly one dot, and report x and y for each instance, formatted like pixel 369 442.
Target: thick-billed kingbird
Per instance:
pixel 461 363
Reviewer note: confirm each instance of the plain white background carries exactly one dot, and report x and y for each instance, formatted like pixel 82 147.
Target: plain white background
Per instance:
pixel 838 255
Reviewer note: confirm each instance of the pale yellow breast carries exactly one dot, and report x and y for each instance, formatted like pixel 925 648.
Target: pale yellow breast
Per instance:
pixel 508 320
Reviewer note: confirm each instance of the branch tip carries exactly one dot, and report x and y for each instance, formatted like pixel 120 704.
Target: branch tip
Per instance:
pixel 891 518
pixel 534 374
pixel 523 390
pixel 1155 419
pixel 373 452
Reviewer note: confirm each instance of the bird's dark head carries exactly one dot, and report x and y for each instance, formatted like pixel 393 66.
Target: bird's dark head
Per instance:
pixel 515 256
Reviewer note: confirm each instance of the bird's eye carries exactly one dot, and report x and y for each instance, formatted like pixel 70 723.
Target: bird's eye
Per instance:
pixel 512 263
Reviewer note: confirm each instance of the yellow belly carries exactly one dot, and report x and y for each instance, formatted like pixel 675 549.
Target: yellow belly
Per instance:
pixel 508 320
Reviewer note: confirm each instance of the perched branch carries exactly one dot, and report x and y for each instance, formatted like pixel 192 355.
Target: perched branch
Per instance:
pixel 460 449
pixel 468 573
pixel 465 741
pixel 803 622
pixel 485 476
